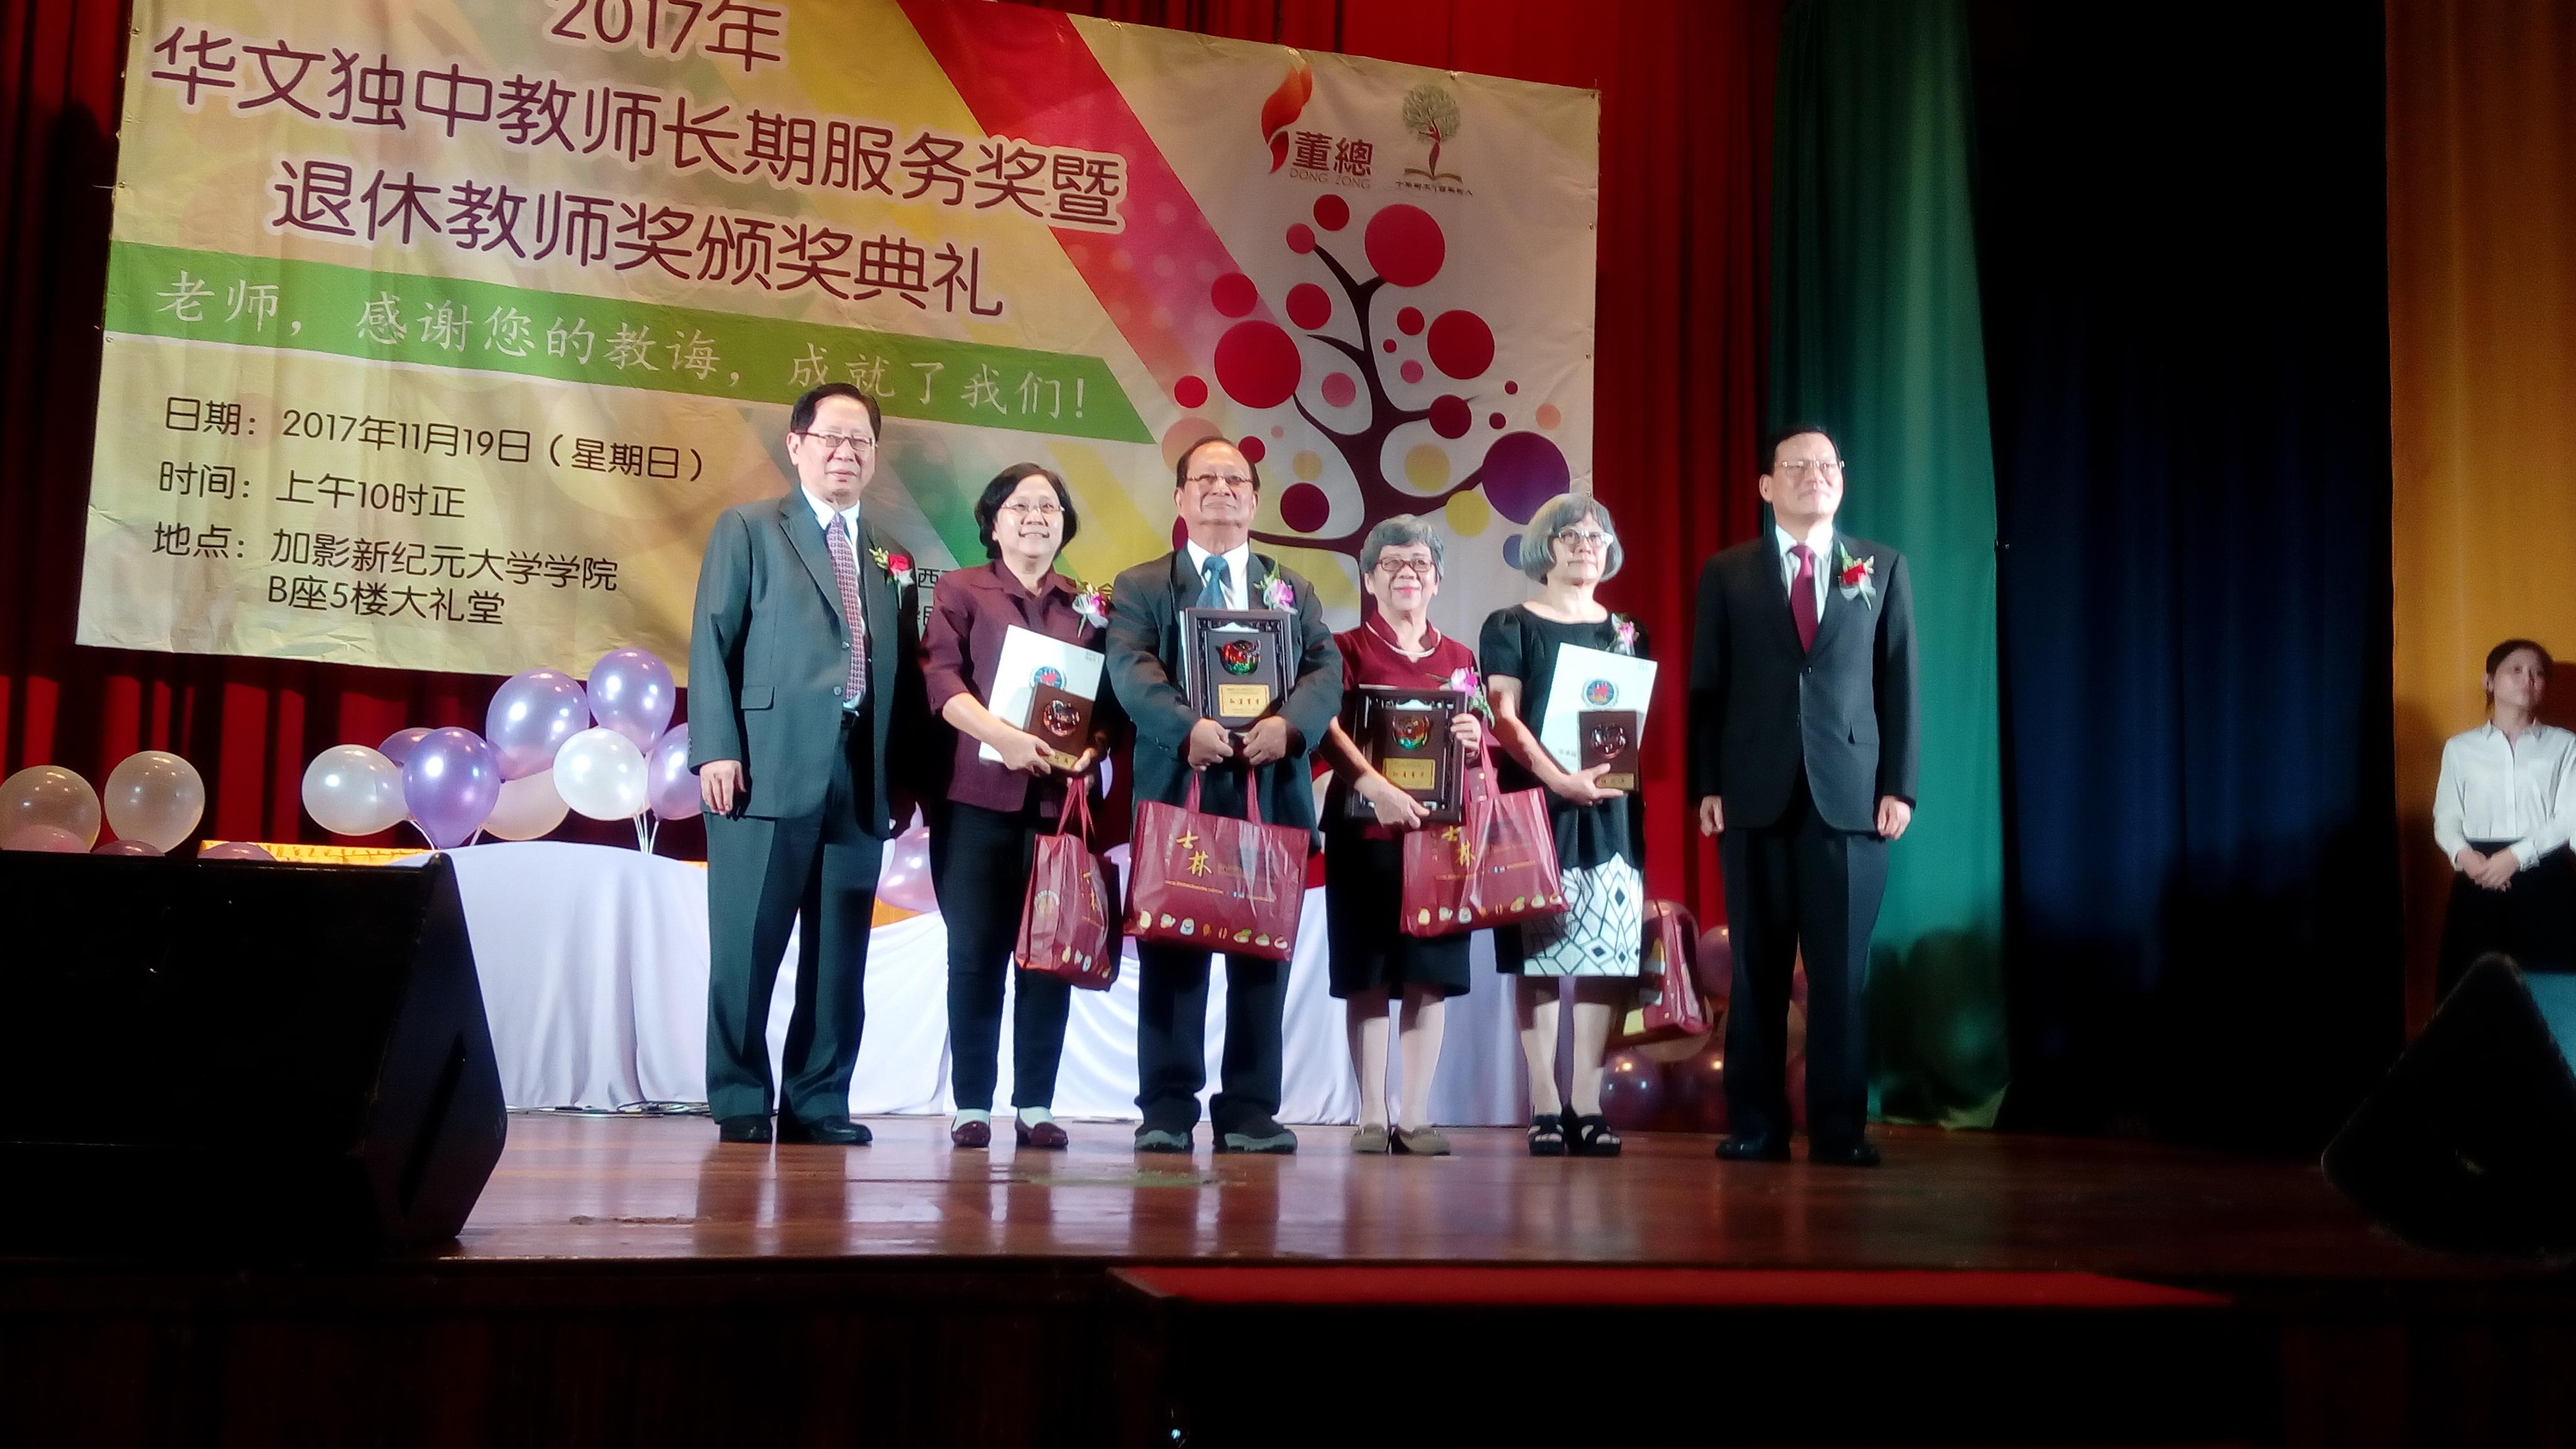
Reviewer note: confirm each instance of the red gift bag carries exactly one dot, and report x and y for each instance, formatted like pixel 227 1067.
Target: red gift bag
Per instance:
pixel 1668 1001
pixel 1214 882
pixel 1069 922
pixel 1495 866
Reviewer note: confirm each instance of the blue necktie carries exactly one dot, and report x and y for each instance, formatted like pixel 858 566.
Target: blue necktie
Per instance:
pixel 1212 592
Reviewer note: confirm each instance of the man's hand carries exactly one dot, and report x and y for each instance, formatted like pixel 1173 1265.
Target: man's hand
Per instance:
pixel 1266 741
pixel 1467 731
pixel 2497 872
pixel 1394 808
pixel 722 785
pixel 1023 752
pixel 2469 861
pixel 1089 761
pixel 1584 788
pixel 1208 745
pixel 1893 816
pixel 1712 815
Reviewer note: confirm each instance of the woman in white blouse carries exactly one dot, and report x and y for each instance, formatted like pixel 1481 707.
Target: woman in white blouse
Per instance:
pixel 2504 812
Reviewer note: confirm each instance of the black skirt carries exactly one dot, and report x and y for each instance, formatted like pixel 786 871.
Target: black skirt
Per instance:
pixel 2532 920
pixel 1363 898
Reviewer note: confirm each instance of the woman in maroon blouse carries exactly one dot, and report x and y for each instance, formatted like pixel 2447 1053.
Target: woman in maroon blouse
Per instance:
pixel 984 833
pixel 1371 959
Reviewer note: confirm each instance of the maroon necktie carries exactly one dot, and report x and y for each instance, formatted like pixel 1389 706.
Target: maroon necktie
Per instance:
pixel 1802 595
pixel 854 613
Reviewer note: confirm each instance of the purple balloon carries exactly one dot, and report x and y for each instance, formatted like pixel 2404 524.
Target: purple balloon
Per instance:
pixel 903 879
pixel 234 850
pixel 399 745
pixel 670 786
pixel 532 714
pixel 632 693
pixel 1632 1091
pixel 451 782
pixel 124 847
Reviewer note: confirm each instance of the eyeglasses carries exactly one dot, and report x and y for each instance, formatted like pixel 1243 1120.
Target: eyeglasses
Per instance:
pixel 1209 480
pixel 1042 511
pixel 1396 568
pixel 833 442
pixel 1589 538
pixel 1796 468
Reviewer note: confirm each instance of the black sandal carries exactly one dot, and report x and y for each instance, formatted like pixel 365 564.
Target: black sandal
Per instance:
pixel 1592 1136
pixel 1547 1135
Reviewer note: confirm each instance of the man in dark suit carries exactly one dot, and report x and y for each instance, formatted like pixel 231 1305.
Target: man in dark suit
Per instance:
pixel 802 668
pixel 1216 491
pixel 1802 759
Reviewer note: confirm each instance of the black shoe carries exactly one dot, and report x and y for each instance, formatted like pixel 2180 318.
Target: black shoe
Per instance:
pixel 1150 1138
pixel 1589 1136
pixel 1854 1154
pixel 1257 1134
pixel 742 1129
pixel 828 1132
pixel 1752 1149
pixel 1547 1134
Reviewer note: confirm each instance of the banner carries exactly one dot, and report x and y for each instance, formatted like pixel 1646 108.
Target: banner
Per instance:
pixel 439 333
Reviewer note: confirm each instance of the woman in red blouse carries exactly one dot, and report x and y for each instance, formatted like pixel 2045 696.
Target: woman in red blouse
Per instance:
pixel 1371 959
pixel 984 833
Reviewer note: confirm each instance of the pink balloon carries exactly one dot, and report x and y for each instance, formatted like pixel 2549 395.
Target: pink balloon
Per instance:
pixel 1632 1091
pixel 1716 964
pixel 1697 1088
pixel 46 840
pixel 234 850
pixel 399 745
pixel 670 786
pixel 125 847
pixel 904 880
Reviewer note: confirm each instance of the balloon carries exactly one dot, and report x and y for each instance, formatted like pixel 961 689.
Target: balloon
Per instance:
pixel 353 790
pixel 532 714
pixel 451 782
pixel 1679 1049
pixel 1798 979
pixel 527 809
pixel 1798 1092
pixel 631 692
pixel 154 797
pixel 1797 1028
pixel 670 786
pixel 399 745
pixel 903 881
pixel 49 795
pixel 600 773
pixel 1716 964
pixel 234 850
pixel 124 847
pixel 45 839
pixel 1632 1091
pixel 1697 1090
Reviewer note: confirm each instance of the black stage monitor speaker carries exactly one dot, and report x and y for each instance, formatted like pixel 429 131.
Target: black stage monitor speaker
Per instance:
pixel 207 1057
pixel 2470 1144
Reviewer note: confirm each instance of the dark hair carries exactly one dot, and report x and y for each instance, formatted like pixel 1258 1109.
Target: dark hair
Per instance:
pixel 1771 444
pixel 801 417
pixel 2509 648
pixel 1181 464
pixel 1007 482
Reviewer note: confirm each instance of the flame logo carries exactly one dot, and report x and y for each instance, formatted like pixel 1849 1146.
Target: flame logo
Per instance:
pixel 1285 104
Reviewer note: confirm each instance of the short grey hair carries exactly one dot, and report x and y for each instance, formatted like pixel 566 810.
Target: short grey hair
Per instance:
pixel 1564 511
pixel 1402 531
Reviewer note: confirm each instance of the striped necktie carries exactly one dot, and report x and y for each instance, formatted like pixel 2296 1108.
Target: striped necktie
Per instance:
pixel 845 572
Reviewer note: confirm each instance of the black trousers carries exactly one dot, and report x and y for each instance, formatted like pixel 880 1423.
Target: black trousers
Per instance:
pixel 979 867
pixel 817 873
pixel 2533 919
pixel 1171 1038
pixel 1799 883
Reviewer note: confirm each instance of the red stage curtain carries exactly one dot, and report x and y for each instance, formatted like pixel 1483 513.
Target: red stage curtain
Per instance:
pixel 1685 148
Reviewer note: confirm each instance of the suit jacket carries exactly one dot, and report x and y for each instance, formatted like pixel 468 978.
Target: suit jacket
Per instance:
pixel 769 654
pixel 1763 710
pixel 1144 648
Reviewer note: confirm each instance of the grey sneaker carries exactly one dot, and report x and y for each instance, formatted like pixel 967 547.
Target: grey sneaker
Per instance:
pixel 1370 1138
pixel 1261 1134
pixel 1162 1139
pixel 1421 1141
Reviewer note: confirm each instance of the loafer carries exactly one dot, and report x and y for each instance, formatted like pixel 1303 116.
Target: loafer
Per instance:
pixel 1370 1138
pixel 1752 1149
pixel 1162 1139
pixel 971 1134
pixel 1260 1134
pixel 1045 1136
pixel 826 1132
pixel 743 1129
pixel 1421 1141
pixel 1848 1154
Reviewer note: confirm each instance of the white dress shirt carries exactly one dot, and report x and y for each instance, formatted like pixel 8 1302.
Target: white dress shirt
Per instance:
pixel 1238 566
pixel 2518 790
pixel 1820 542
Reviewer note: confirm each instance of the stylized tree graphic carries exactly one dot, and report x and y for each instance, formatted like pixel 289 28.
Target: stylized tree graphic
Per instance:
pixel 1261 366
pixel 1431 113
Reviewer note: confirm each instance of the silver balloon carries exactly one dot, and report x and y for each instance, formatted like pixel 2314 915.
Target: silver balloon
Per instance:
pixel 154 797
pixel 600 773
pixel 49 795
pixel 353 790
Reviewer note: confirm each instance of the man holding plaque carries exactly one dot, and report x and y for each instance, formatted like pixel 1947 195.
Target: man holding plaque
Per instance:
pixel 1802 759
pixel 1251 685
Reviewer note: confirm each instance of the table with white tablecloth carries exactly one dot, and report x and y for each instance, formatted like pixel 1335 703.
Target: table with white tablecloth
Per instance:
pixel 594 968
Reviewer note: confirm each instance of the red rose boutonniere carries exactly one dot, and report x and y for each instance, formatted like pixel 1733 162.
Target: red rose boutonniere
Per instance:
pixel 898 566
pixel 1855 575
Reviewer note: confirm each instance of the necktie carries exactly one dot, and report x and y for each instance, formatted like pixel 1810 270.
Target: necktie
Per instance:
pixel 1212 591
pixel 845 572
pixel 1802 595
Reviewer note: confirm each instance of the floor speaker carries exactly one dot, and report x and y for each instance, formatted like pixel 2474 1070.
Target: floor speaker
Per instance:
pixel 2470 1143
pixel 216 1055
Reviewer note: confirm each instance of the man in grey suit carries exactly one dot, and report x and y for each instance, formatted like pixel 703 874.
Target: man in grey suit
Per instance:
pixel 801 672
pixel 1216 490
pixel 1802 756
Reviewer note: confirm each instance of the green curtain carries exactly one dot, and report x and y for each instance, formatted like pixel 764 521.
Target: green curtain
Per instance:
pixel 1876 335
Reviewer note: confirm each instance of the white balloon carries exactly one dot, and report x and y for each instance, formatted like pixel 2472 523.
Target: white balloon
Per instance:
pixel 529 808
pixel 600 773
pixel 353 790
pixel 155 797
